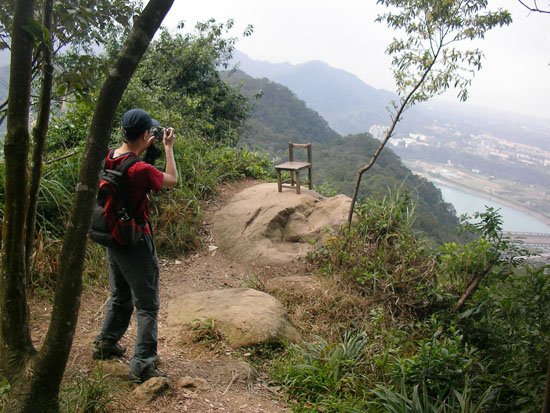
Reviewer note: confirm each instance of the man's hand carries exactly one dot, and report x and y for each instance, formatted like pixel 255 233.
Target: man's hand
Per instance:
pixel 171 172
pixel 168 138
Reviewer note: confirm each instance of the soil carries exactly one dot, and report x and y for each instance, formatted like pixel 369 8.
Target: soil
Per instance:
pixel 205 269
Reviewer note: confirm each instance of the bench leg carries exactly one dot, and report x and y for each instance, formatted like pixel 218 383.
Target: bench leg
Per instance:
pixel 279 183
pixel 309 178
pixel 298 181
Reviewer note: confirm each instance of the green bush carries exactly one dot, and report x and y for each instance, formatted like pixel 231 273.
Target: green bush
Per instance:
pixel 381 255
pixel 509 322
pixel 439 362
pixel 491 355
pixel 203 165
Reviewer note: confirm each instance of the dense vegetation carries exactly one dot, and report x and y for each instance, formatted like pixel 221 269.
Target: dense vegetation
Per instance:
pixel 187 94
pixel 401 346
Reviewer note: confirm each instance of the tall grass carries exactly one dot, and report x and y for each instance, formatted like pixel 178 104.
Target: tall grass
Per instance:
pixel 415 399
pixel 95 393
pixel 324 376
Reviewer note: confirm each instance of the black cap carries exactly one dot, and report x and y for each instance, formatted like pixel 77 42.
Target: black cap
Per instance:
pixel 137 121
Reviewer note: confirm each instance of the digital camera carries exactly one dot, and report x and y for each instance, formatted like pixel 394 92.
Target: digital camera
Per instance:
pixel 158 132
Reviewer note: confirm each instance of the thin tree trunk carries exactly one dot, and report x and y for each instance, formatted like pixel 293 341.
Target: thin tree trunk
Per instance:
pixel 40 392
pixel 40 132
pixel 15 340
pixel 389 134
pixel 472 287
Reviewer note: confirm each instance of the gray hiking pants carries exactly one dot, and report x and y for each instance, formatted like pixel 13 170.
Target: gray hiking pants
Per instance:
pixel 134 280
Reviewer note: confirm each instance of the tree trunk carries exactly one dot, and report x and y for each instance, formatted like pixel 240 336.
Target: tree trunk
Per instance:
pixel 35 386
pixel 15 339
pixel 39 137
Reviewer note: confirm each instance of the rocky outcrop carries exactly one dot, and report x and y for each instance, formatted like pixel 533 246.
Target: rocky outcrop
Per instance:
pixel 262 225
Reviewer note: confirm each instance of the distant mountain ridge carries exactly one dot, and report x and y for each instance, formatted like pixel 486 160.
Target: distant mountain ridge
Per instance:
pixel 352 106
pixel 343 99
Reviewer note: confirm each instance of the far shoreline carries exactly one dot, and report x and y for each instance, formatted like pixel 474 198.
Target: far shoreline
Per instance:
pixel 474 191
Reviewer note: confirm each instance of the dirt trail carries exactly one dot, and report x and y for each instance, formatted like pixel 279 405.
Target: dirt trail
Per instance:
pixel 206 269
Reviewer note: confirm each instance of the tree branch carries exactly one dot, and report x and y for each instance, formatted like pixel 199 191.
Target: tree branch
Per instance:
pixel 534 8
pixel 472 287
pixel 40 132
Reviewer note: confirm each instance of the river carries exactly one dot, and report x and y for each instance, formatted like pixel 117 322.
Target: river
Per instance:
pixel 512 219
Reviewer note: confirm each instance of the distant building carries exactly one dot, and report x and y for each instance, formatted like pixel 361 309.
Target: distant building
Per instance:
pixel 378 131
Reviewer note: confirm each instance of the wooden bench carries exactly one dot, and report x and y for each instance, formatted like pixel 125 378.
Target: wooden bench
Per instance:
pixel 294 168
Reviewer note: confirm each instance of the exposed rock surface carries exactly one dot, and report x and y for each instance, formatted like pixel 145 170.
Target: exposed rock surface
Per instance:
pixel 239 371
pixel 152 388
pixel 244 316
pixel 262 225
pixel 114 368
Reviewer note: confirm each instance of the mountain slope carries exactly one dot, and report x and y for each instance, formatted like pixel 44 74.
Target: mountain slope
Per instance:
pixel 278 116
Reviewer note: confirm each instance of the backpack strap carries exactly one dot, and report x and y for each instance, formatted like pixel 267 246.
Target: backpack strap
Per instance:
pixel 127 163
pixel 122 168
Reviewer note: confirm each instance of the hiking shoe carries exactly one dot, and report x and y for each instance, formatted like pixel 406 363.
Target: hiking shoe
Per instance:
pixel 104 350
pixel 148 373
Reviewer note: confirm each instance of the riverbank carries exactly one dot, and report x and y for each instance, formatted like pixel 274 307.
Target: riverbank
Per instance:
pixel 438 179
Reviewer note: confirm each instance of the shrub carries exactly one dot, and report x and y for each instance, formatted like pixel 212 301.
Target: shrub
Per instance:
pixel 382 256
pixel 509 322
pixel 439 362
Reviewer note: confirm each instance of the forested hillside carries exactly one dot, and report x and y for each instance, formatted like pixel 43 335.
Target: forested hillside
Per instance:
pixel 279 117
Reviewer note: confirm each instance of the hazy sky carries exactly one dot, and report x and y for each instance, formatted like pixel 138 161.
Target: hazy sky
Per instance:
pixel 515 75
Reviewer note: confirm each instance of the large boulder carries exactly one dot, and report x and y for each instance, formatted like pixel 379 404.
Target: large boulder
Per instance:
pixel 244 316
pixel 262 225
